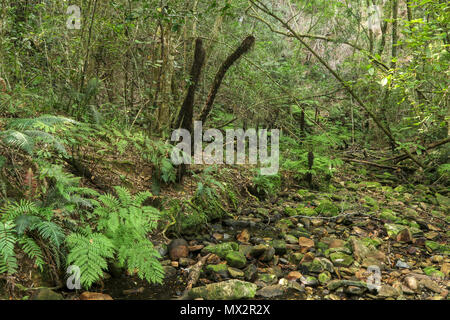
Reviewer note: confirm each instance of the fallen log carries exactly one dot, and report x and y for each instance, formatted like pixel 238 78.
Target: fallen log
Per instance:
pixel 194 274
pixel 429 147
pixel 370 164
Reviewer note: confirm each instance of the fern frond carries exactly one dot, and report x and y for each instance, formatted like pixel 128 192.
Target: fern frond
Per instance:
pixel 25 222
pixel 140 197
pixel 47 138
pixel 16 209
pixel 124 195
pixel 46 120
pixel 32 249
pixel 109 201
pixel 89 253
pixel 17 139
pixel 8 239
pixel 51 232
pixel 142 258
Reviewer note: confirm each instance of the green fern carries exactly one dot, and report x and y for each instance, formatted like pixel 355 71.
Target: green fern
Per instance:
pixel 51 232
pixel 16 209
pixel 23 133
pixel 90 253
pixel 125 222
pixel 23 223
pixel 142 258
pixel 32 249
pixel 8 239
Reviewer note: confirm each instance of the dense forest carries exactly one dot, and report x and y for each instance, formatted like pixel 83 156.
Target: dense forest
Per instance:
pixel 224 149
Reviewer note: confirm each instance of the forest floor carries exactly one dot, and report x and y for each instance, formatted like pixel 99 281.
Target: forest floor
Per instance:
pixel 307 244
pixel 368 236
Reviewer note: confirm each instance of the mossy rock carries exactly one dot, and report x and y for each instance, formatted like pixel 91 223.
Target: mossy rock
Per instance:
pixel 306 195
pixel 290 211
pixel 316 266
pixel 267 278
pixel 431 271
pixel 442 200
pixel 221 269
pixel 400 189
pixel 340 259
pixel 322 246
pixel 222 249
pixel 387 191
pixel 279 246
pixel 226 290
pixel 435 246
pixel 389 215
pixel 371 202
pixel 47 294
pixel 372 241
pixel 236 259
pixel 305 211
pixel 394 229
pixel 352 186
pixel 296 257
pixel 370 184
pixel 324 277
pixel 327 208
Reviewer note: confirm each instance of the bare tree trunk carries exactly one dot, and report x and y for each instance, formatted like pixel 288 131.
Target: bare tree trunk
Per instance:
pixel 245 46
pixel 394 32
pixel 185 117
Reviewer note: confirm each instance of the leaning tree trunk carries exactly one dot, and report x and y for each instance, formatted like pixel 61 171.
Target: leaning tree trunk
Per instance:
pixel 245 46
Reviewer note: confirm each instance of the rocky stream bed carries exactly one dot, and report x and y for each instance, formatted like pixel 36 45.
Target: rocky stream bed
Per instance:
pixel 315 246
pixel 361 241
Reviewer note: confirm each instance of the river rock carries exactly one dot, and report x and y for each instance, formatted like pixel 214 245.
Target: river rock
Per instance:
pixel 47 294
pixel 305 244
pixel 411 282
pixel 430 285
pixel 340 259
pixel 291 239
pixel 386 291
pixel 335 284
pixel 236 259
pixel 271 291
pixel 324 277
pixel 226 290
pixel 405 236
pixel 220 269
pixel 267 256
pixel 309 281
pixel 178 248
pixel 235 273
pixel 95 296
pixel 221 249
pixel 279 246
pixel 251 272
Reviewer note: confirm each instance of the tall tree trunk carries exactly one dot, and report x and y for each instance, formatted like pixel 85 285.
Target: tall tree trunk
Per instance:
pixel 245 46
pixel 186 114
